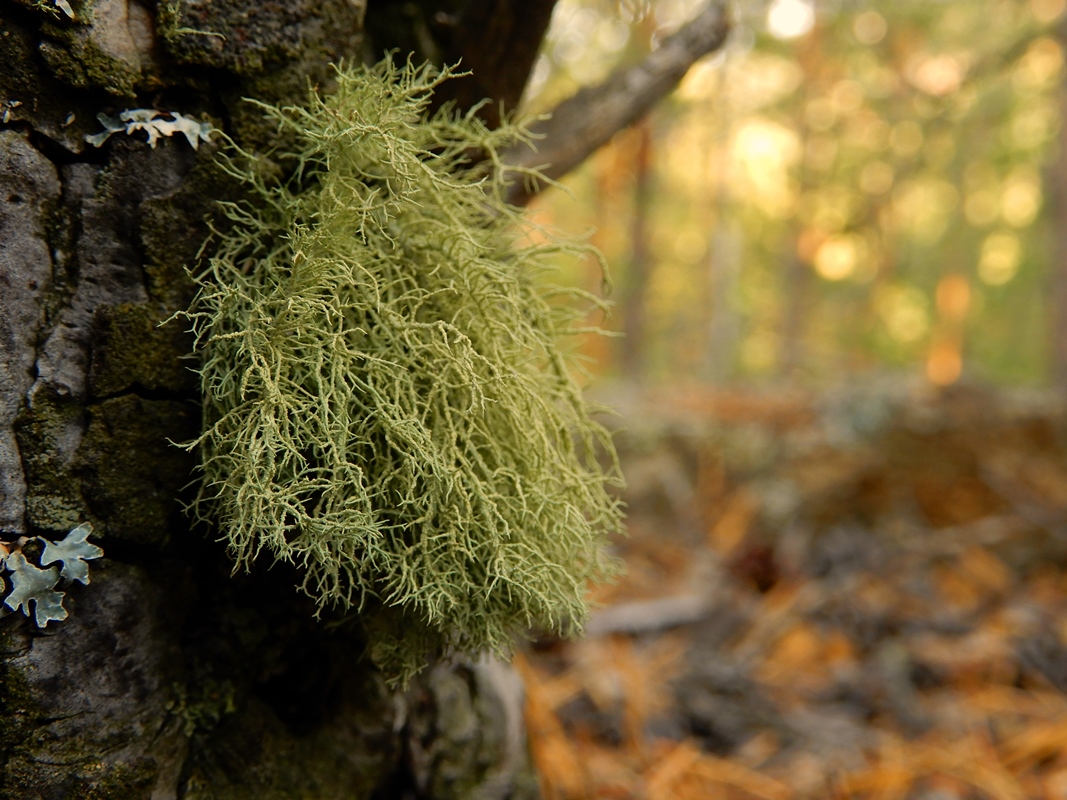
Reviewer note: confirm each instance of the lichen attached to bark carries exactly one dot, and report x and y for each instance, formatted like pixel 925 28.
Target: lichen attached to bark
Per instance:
pixel 386 401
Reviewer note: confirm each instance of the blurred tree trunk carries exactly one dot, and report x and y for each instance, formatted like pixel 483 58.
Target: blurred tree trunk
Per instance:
pixel 797 280
pixel 171 678
pixel 1057 178
pixel 634 311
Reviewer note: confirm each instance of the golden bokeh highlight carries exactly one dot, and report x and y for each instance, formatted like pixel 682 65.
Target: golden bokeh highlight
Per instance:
pixel 870 27
pixel 953 297
pixel 1047 11
pixel 944 363
pixel 999 259
pixel 838 257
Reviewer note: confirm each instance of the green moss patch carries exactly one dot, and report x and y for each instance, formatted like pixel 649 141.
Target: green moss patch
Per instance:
pixel 131 476
pixel 131 351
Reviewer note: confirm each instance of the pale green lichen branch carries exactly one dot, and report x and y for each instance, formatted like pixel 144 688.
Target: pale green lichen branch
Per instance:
pixel 386 401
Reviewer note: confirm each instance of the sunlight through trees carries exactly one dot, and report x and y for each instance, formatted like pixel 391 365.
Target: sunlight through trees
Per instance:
pixel 848 187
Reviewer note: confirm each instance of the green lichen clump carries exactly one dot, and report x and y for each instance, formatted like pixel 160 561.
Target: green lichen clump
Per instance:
pixel 386 402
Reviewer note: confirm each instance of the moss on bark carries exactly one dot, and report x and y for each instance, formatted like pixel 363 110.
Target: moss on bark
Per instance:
pixel 48 436
pixel 131 352
pixel 131 474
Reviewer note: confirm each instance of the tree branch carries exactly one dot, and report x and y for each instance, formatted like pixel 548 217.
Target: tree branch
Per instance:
pixel 585 122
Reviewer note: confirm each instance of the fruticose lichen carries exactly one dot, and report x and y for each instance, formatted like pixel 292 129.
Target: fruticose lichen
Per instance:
pixel 386 402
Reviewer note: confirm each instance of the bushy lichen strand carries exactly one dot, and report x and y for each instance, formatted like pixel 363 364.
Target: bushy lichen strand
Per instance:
pixel 385 401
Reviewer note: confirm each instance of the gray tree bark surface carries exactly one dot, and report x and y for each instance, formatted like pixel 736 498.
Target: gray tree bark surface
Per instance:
pixel 171 678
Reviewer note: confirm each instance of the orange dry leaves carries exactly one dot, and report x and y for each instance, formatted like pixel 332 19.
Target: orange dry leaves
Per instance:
pixel 911 642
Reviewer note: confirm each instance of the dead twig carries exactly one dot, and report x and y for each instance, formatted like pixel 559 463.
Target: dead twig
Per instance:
pixel 647 616
pixel 583 123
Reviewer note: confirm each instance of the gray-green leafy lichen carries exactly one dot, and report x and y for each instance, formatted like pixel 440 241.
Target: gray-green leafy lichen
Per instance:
pixel 36 585
pixel 386 403
pixel 155 124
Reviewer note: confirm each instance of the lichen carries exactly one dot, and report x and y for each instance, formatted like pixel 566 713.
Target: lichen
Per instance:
pixel 54 8
pixel 386 401
pixel 155 124
pixel 32 584
pixel 201 707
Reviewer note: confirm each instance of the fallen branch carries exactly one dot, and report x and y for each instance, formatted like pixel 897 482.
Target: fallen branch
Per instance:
pixel 586 121
pixel 648 616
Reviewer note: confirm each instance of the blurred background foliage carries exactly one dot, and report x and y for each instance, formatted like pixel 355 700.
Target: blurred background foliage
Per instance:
pixel 848 188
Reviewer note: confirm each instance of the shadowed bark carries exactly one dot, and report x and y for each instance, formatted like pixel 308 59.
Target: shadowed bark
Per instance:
pixel 496 41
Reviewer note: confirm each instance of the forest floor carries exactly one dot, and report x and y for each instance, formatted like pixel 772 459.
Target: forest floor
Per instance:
pixel 855 595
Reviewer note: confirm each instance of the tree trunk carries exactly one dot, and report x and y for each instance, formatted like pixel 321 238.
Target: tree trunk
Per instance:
pixel 1056 180
pixel 635 302
pixel 171 678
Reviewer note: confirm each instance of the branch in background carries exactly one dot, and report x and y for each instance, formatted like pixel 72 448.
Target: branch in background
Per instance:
pixel 585 122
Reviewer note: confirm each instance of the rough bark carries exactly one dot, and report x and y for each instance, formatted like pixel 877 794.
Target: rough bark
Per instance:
pixel 495 41
pixel 171 678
